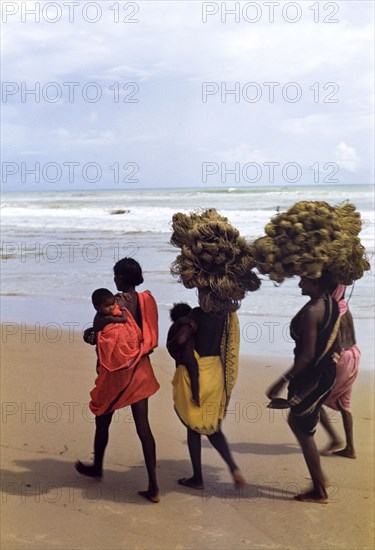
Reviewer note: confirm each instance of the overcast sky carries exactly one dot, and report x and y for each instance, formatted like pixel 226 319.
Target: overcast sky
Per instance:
pixel 137 94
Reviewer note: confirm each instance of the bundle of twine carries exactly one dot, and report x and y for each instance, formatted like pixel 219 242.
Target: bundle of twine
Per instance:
pixel 310 238
pixel 214 258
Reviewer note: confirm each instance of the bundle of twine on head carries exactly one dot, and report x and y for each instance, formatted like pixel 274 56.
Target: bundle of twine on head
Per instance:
pixel 214 258
pixel 310 238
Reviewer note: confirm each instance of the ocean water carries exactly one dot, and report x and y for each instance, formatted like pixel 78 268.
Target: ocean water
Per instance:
pixel 57 247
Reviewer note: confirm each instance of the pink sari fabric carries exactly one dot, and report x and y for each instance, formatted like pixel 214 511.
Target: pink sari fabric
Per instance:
pixel 338 295
pixel 346 372
pixel 347 365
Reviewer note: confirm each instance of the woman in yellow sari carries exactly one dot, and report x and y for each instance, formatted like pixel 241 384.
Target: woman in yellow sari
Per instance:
pixel 217 261
pixel 216 348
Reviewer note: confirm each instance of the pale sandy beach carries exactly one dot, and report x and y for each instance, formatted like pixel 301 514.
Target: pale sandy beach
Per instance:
pixel 46 426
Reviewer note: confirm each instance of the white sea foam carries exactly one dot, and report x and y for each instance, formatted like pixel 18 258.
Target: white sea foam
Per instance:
pixel 59 246
pixel 138 211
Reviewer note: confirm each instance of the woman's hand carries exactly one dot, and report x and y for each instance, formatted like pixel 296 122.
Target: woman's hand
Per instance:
pixel 121 301
pixel 274 390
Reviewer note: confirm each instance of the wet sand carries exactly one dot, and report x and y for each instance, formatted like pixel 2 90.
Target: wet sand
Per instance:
pixel 46 426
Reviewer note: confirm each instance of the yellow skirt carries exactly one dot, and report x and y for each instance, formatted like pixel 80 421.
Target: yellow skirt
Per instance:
pixel 217 377
pixel 206 418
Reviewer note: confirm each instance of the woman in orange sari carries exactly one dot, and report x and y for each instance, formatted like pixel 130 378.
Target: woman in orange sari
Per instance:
pixel 120 382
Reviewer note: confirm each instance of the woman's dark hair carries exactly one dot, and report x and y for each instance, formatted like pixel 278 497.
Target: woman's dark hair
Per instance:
pixel 129 270
pixel 327 281
pixel 100 296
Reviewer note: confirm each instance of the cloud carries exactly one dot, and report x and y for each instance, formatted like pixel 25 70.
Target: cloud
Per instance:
pixel 346 157
pixel 124 72
pixel 92 138
pixel 168 55
pixel 332 125
pixel 242 153
pixel 304 126
pixel 92 117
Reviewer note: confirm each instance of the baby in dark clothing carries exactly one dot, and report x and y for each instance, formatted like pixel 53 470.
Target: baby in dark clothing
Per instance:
pixel 180 344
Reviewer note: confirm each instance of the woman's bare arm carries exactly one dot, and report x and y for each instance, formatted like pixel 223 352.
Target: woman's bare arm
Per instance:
pixel 102 321
pixel 346 331
pixel 309 321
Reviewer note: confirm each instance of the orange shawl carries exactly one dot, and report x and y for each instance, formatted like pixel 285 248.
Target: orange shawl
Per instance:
pixel 125 374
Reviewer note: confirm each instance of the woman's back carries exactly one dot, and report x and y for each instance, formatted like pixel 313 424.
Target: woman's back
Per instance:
pixel 209 332
pixel 132 304
pixel 346 332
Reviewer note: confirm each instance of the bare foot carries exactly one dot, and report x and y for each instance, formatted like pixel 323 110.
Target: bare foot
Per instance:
pixel 331 447
pixel 239 480
pixel 149 495
pixel 89 471
pixel 347 453
pixel 191 482
pixel 311 496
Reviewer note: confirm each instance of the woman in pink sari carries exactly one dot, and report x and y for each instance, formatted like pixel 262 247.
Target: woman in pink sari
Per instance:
pixel 346 373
